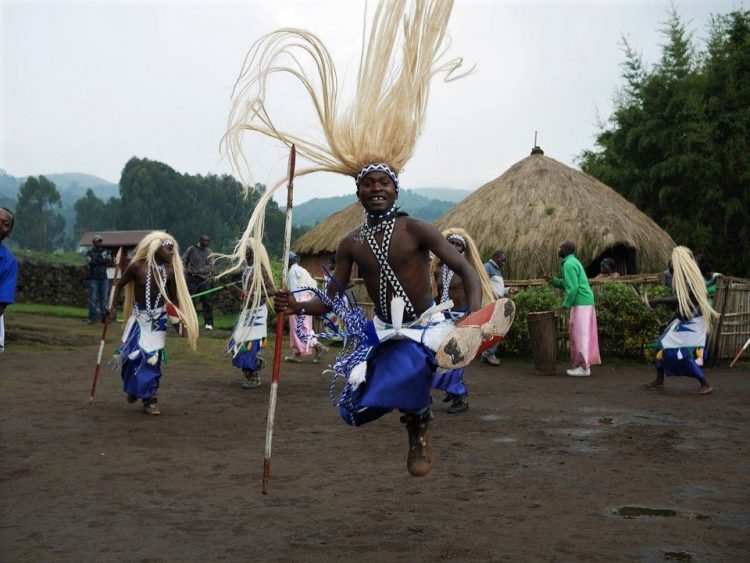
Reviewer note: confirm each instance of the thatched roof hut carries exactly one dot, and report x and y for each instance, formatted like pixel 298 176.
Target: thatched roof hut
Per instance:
pixel 539 202
pixel 317 244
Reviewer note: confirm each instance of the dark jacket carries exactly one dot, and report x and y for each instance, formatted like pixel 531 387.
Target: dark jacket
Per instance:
pixel 98 259
pixel 199 261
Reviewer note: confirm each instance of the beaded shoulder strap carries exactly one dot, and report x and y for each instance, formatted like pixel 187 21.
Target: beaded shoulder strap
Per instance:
pixel 447 277
pixel 387 276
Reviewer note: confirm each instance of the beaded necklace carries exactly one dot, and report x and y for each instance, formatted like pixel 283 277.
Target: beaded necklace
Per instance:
pixel 161 270
pixel 387 276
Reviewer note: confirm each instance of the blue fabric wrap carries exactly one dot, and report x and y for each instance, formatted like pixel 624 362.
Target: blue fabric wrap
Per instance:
pixel 248 360
pixel 399 376
pixel 674 366
pixel 8 275
pixel 451 382
pixel 139 378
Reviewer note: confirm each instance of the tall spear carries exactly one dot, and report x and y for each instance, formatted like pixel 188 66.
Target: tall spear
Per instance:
pixel 279 323
pixel 119 262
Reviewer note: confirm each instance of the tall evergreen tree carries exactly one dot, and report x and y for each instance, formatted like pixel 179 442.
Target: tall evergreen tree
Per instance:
pixel 670 145
pixel 93 214
pixel 39 225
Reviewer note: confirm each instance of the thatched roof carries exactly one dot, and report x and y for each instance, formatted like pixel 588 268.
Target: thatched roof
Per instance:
pixel 539 202
pixel 325 236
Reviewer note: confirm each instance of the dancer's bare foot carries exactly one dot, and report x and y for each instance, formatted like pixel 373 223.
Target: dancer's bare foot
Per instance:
pixel 654 385
pixel 703 390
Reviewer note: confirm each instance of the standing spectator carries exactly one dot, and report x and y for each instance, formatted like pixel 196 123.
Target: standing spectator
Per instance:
pixel 8 270
pixel 607 269
pixel 494 267
pixel 199 265
pixel 297 278
pixel 579 299
pixel 98 260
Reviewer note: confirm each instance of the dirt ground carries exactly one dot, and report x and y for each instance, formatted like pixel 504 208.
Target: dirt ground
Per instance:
pixel 539 469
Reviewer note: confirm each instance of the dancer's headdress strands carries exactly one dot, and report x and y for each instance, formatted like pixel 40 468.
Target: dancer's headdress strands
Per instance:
pixel 471 253
pixel 401 53
pixel 146 250
pixel 690 287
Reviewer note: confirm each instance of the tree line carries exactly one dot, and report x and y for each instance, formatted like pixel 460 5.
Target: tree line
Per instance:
pixel 677 146
pixel 152 196
pixel 678 142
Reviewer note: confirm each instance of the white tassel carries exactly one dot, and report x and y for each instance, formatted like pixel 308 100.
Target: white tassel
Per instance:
pixel 153 359
pixel 397 313
pixel 358 375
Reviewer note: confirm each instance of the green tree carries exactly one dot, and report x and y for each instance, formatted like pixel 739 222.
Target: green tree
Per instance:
pixel 727 102
pixel 154 196
pixel 39 225
pixel 674 143
pixel 93 214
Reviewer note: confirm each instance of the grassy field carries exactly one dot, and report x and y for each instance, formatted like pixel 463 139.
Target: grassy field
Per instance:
pixel 223 322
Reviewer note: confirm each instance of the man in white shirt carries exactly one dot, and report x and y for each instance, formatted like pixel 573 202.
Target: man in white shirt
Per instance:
pixel 493 267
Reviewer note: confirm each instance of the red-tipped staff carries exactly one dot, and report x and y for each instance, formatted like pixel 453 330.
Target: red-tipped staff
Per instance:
pixel 279 324
pixel 119 262
pixel 737 357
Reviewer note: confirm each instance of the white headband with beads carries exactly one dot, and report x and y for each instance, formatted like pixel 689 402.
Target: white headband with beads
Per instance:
pixel 458 238
pixel 380 168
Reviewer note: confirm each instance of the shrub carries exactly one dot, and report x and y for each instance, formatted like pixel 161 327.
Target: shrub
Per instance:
pixel 626 325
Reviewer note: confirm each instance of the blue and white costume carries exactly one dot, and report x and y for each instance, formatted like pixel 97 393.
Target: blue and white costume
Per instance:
pixel 680 347
pixel 141 352
pixel 450 381
pixel 249 332
pixel 387 364
pixel 398 367
pixel 143 342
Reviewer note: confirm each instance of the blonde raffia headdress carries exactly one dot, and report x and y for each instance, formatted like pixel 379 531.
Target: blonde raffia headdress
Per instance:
pixel 690 287
pixel 146 250
pixel 401 53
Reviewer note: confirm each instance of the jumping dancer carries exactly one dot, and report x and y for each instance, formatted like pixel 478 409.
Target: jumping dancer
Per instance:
pixel 391 360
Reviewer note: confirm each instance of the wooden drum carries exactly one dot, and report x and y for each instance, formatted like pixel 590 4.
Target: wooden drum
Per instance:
pixel 543 340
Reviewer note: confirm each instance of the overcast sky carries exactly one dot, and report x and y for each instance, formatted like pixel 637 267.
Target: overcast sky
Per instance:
pixel 84 86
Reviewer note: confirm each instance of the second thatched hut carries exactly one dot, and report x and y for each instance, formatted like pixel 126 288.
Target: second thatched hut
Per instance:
pixel 539 202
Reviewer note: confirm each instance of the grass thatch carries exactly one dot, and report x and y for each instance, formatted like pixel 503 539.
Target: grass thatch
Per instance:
pixel 538 203
pixel 325 236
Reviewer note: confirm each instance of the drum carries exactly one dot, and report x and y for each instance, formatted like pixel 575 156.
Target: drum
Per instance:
pixel 543 340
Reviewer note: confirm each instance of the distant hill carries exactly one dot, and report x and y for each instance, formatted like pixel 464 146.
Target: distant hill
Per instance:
pixel 71 185
pixel 415 204
pixel 444 194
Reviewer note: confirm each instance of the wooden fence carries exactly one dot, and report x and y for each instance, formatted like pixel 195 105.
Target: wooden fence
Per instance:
pixel 731 331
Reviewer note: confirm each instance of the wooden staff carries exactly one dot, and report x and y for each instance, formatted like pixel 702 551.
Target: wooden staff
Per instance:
pixel 737 357
pixel 119 261
pixel 279 323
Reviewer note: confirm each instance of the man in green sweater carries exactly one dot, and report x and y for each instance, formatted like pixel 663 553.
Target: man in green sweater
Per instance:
pixel 579 299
